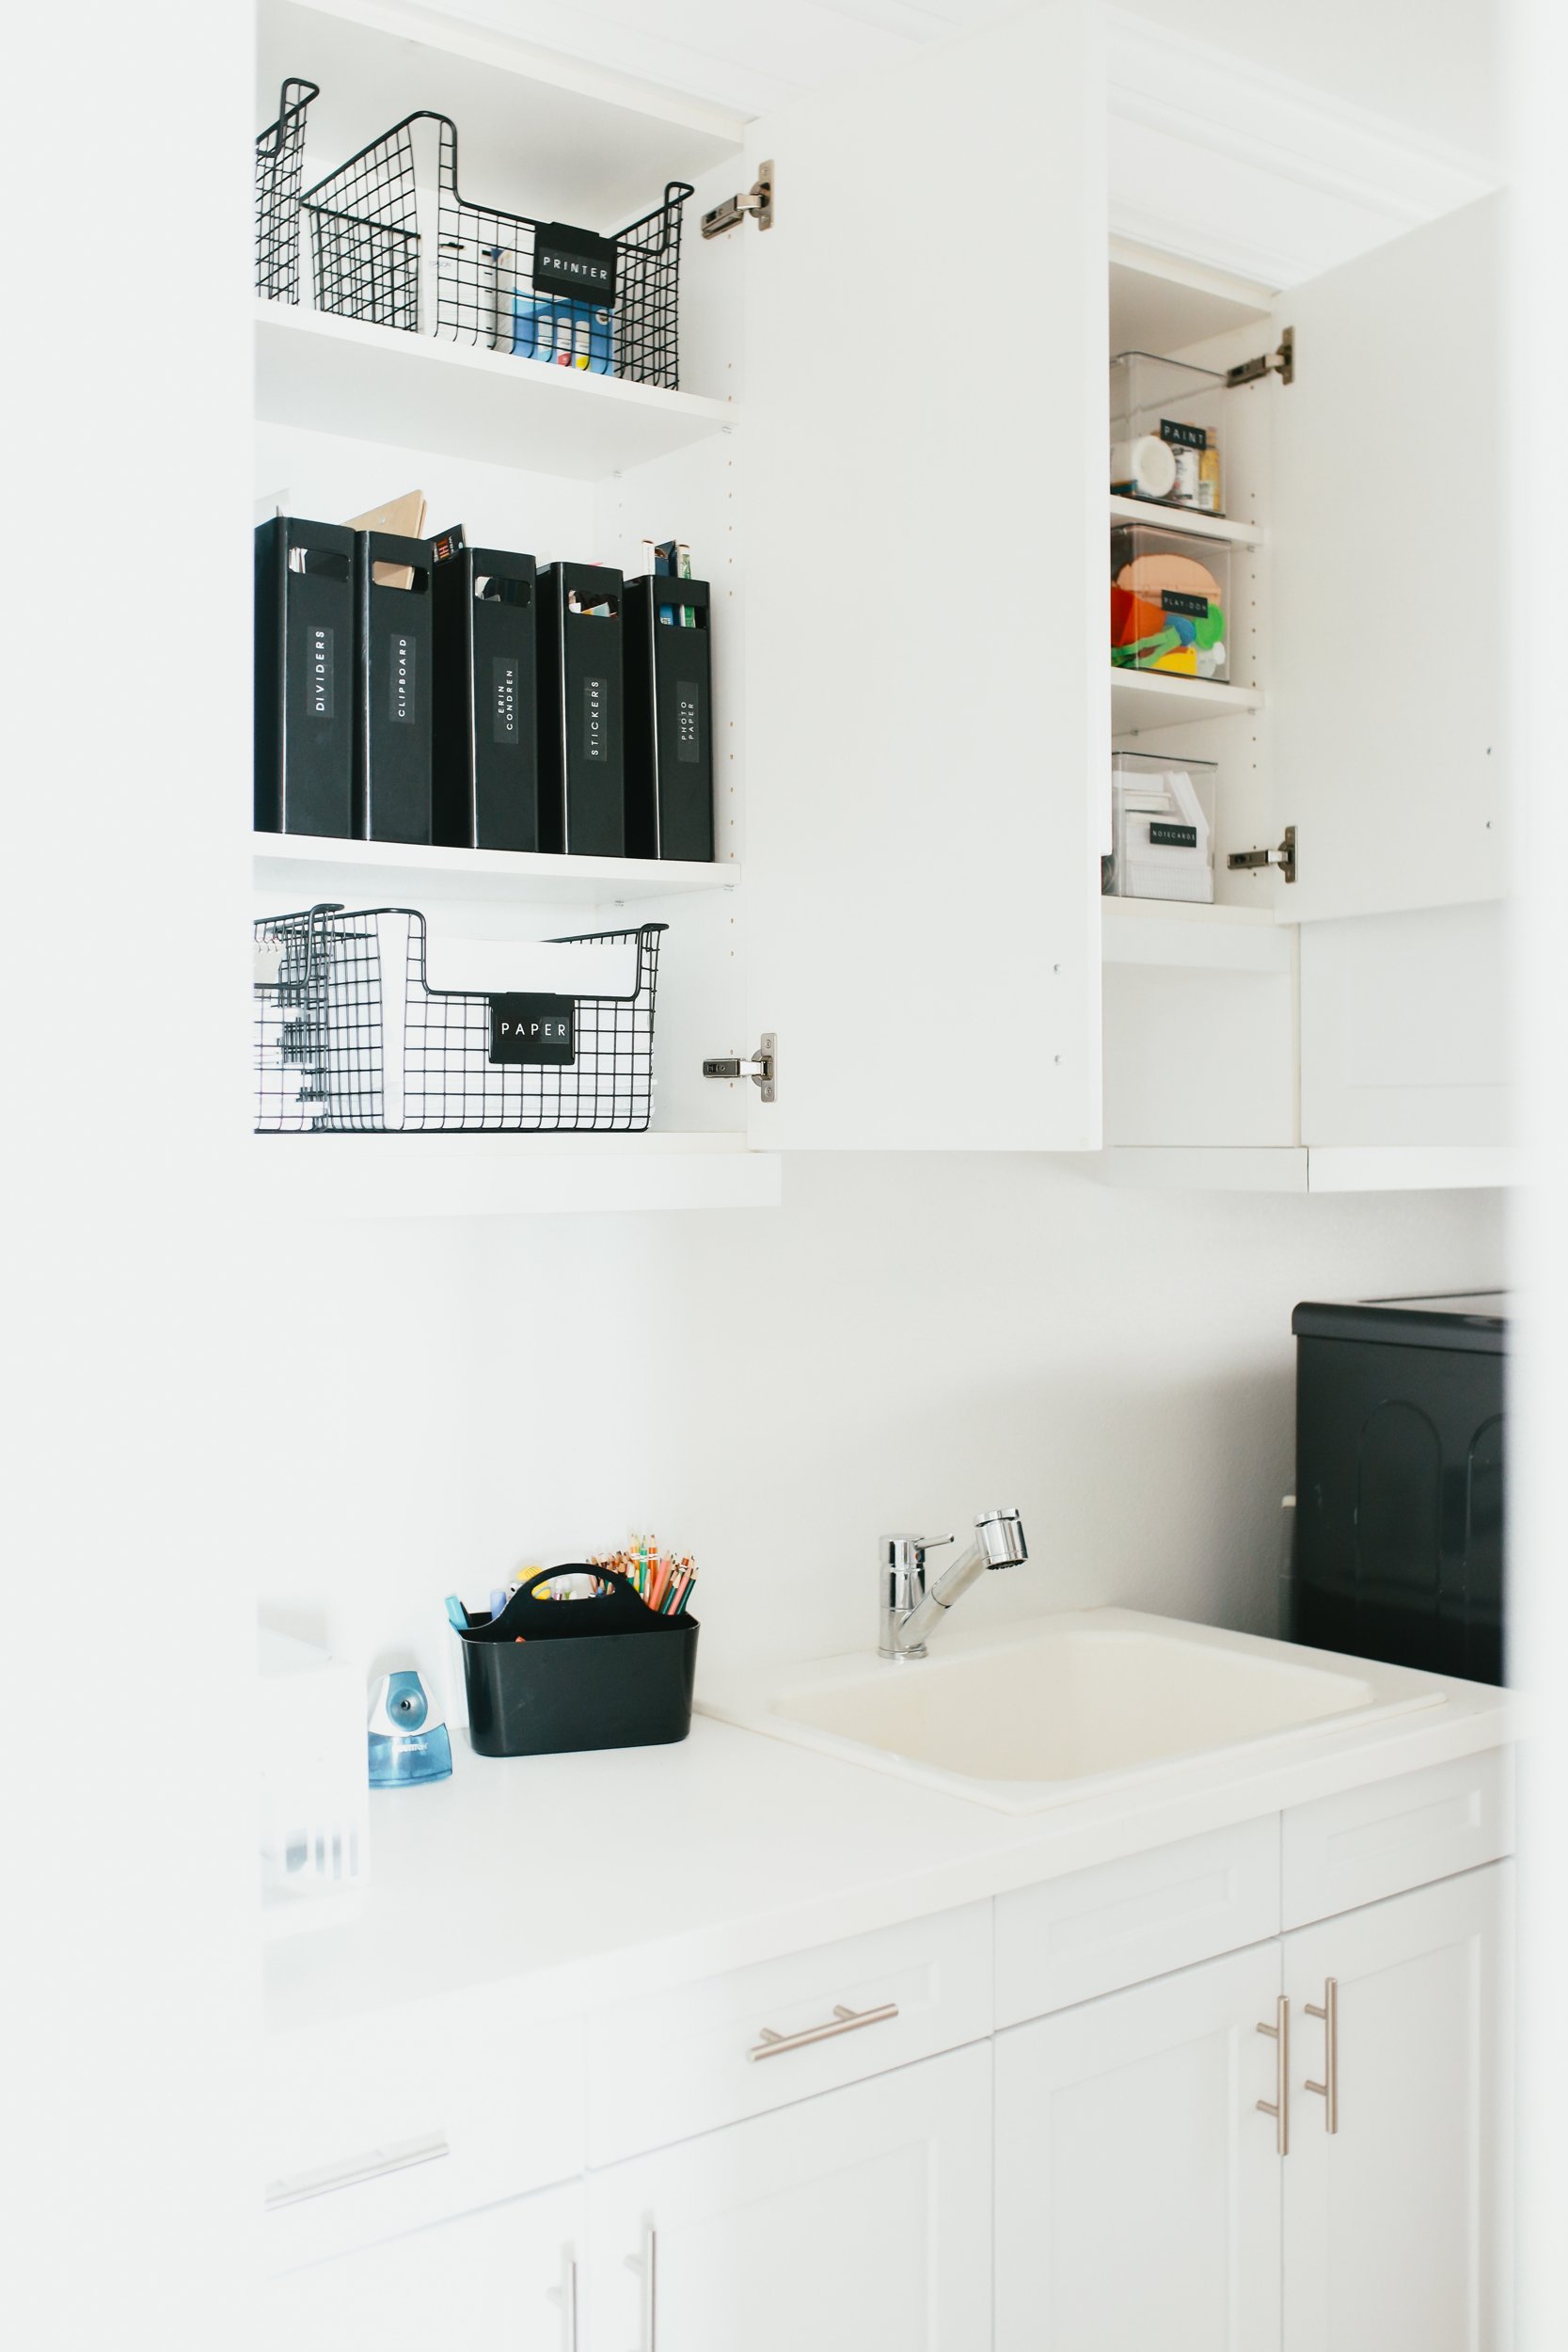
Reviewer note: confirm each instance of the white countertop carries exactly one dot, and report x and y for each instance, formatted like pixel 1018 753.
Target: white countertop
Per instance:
pixel 576 1879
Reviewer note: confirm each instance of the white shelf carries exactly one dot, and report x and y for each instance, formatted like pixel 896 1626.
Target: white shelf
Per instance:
pixel 1183 519
pixel 1152 698
pixel 298 870
pixel 1317 1168
pixel 1213 938
pixel 365 383
pixel 330 1178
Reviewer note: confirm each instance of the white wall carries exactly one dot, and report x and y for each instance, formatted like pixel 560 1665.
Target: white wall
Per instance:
pixel 908 1339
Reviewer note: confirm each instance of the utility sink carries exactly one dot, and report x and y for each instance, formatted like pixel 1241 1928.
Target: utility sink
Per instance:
pixel 1069 1705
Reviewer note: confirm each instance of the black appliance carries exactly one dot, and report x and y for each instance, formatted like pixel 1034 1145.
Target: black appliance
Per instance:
pixel 1399 1519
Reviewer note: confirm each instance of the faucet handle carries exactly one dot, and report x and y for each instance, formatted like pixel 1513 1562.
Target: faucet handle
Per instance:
pixel 904 1566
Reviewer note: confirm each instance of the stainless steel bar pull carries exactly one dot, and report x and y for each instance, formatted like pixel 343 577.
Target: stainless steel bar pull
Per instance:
pixel 370 2167
pixel 650 2289
pixel 842 2021
pixel 1328 2090
pixel 1279 2106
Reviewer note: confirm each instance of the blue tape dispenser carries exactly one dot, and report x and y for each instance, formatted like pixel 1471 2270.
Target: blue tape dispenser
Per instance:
pixel 407 1743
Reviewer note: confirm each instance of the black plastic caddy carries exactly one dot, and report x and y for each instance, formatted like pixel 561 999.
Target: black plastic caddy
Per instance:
pixel 606 1673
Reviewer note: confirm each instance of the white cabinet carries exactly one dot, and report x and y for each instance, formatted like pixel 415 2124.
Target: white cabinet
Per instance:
pixel 1380 746
pixel 1394 2200
pixel 508 2276
pixel 1143 2197
pixel 862 2217
pixel 925 711
pixel 1137 2185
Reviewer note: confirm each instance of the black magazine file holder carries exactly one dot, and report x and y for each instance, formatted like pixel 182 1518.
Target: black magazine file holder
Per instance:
pixel 608 1673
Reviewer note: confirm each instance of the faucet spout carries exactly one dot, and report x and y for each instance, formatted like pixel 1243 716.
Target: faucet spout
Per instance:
pixel 912 1609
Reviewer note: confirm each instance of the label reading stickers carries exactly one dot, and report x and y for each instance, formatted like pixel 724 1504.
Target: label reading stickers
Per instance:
pixel 530 1028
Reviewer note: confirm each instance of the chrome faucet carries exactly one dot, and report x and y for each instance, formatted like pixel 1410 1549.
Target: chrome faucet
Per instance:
pixel 910 1609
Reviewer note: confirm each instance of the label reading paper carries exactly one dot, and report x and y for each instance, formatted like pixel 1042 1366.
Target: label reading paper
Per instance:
pixel 531 1028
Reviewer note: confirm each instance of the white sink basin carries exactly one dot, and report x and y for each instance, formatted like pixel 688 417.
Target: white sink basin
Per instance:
pixel 1068 1704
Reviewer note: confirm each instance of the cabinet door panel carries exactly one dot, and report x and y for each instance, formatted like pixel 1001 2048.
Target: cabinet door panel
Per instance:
pixel 494 2279
pixel 1138 2186
pixel 860 2219
pixel 1383 664
pixel 927 712
pixel 1392 2223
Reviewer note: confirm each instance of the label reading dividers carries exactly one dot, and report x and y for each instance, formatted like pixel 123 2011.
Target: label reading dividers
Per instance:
pixel 400 681
pixel 320 674
pixel 503 700
pixel 532 1028
pixel 687 744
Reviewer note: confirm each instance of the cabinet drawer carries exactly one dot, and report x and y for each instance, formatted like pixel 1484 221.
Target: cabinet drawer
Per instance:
pixel 390 2121
pixel 713 2052
pixel 1125 1921
pixel 1397 1834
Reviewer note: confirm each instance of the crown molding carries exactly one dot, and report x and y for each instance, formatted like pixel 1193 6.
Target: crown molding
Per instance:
pixel 1277 181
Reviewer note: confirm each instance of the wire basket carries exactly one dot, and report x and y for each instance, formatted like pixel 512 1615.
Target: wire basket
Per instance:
pixel 279 168
pixel 349 1038
pixel 497 278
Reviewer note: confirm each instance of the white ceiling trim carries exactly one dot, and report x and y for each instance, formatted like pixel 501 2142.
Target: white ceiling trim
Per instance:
pixel 1276 179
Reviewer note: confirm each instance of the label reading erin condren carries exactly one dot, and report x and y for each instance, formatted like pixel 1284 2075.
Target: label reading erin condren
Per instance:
pixel 400 679
pixel 595 719
pixel 503 701
pixel 320 684
pixel 687 746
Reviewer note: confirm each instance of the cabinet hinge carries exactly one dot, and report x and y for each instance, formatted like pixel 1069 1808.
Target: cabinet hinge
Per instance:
pixel 762 1069
pixel 757 200
pixel 1284 857
pixel 1281 363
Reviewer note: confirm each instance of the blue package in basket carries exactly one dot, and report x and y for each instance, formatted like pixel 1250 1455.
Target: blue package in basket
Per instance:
pixel 564 333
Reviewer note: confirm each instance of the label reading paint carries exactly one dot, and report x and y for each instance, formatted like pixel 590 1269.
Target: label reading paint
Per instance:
pixel 1182 436
pixel 400 679
pixel 689 750
pixel 1162 835
pixel 1177 601
pixel 503 700
pixel 320 689
pixel 595 719
pixel 531 1028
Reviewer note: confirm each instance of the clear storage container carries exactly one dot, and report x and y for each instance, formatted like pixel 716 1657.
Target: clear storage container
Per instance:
pixel 1162 828
pixel 1169 597
pixel 1165 432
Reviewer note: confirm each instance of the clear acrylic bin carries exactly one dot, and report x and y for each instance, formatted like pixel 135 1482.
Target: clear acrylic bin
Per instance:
pixel 1169 600
pixel 1162 829
pixel 1165 432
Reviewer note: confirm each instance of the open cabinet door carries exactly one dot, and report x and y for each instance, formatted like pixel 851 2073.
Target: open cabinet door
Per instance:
pixel 927 712
pixel 1385 641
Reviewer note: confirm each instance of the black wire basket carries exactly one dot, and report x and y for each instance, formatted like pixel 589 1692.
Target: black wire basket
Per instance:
pixel 539 290
pixel 280 169
pixel 349 1038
